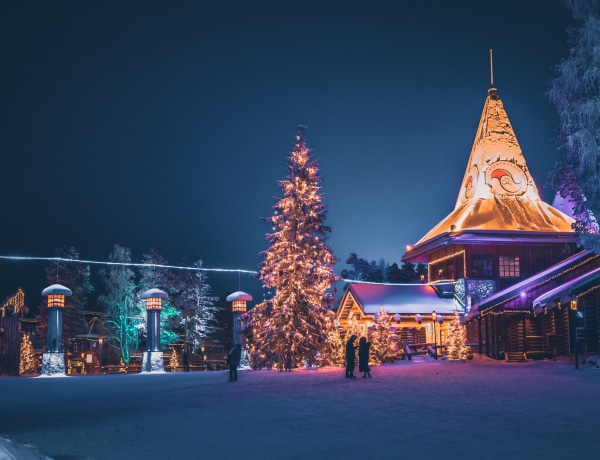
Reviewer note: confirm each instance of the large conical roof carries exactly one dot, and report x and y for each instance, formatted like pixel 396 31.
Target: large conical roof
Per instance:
pixel 497 191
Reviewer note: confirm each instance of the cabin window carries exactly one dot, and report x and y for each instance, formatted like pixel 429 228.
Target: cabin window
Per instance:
pixel 508 267
pixel 482 265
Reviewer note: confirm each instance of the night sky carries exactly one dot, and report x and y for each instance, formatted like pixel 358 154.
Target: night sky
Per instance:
pixel 167 125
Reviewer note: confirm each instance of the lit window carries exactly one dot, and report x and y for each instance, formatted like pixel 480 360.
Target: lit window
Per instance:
pixel 56 300
pixel 508 267
pixel 482 265
pixel 238 305
pixel 153 303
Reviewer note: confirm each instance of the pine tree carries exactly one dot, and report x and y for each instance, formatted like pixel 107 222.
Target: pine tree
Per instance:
pixel 383 350
pixel 456 344
pixel 299 265
pixel 174 361
pixel 199 308
pixel 119 301
pixel 575 93
pixel 338 349
pixel 28 363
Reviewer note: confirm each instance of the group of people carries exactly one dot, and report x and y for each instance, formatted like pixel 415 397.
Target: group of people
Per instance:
pixel 234 356
pixel 363 357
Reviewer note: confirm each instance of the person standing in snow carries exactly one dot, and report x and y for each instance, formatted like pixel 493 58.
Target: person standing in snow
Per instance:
pixel 363 357
pixel 233 361
pixel 350 357
pixel 186 363
pixel 287 359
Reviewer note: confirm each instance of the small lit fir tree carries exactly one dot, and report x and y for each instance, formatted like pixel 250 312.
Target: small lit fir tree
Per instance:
pixel 383 350
pixel 456 344
pixel 355 328
pixel 338 347
pixel 28 364
pixel 299 266
pixel 174 361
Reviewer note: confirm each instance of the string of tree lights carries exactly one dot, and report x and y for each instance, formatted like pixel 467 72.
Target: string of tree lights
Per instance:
pixel 192 268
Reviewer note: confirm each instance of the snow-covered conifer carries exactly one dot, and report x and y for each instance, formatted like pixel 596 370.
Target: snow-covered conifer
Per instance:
pixel 299 265
pixel 119 303
pixel 575 93
pixel 197 305
pixel 456 344
pixel 383 349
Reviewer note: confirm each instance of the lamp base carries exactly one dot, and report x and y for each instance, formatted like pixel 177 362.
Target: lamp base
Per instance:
pixel 53 364
pixel 153 361
pixel 244 361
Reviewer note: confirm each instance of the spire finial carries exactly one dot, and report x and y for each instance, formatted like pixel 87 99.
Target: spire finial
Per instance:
pixel 491 69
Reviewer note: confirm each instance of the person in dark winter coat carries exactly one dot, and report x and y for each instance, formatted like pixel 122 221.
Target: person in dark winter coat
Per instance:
pixel 233 361
pixel 363 357
pixel 287 361
pixel 350 357
pixel 186 362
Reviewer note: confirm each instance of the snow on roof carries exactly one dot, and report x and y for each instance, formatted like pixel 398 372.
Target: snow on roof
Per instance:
pixel 566 289
pixel 238 295
pixel 497 192
pixel 401 298
pixel 535 279
pixel 57 289
pixel 154 293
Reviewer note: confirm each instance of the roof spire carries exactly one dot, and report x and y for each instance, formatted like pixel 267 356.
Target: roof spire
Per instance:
pixel 498 192
pixel 491 69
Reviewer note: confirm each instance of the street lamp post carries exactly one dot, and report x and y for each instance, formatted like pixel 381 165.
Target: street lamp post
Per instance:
pixel 53 360
pixel 434 319
pixel 573 328
pixel 238 307
pixel 153 359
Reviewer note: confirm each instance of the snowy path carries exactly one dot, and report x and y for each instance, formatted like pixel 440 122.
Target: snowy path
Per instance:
pixel 409 410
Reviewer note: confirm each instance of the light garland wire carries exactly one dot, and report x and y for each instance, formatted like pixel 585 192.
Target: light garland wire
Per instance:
pixel 176 267
pixel 128 264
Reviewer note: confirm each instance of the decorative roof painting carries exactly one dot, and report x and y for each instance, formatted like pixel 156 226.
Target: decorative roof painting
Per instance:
pixel 497 191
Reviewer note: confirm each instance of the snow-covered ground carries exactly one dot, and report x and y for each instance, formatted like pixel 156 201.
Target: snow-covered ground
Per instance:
pixel 409 410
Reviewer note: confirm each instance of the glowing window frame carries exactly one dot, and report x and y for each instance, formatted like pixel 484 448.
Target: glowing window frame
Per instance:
pixel 509 266
pixel 153 303
pixel 56 300
pixel 238 305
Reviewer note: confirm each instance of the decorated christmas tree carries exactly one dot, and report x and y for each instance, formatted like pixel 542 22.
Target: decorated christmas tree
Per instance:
pixel 174 361
pixel 355 328
pixel 28 363
pixel 457 340
pixel 383 350
pixel 298 265
pixel 338 347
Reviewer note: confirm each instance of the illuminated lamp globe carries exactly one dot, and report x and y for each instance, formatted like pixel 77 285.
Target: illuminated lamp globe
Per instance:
pixel 238 301
pixel 56 295
pixel 154 298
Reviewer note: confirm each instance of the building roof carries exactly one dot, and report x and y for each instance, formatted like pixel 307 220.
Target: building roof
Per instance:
pixel 401 298
pixel 565 291
pixel 497 191
pixel 511 292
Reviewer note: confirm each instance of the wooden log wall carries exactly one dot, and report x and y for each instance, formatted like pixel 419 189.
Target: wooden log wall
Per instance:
pixel 10 343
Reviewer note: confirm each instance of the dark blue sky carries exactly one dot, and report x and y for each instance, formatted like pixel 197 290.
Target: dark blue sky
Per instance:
pixel 168 124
